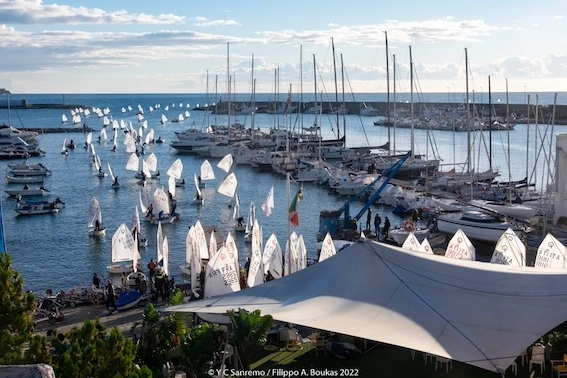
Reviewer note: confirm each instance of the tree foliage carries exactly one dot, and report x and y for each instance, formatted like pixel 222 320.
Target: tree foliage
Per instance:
pixel 90 351
pixel 16 308
pixel 200 346
pixel 249 330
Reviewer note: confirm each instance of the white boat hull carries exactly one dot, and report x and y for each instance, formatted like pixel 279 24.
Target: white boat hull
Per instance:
pixel 24 179
pixel 25 192
pixel 119 269
pixel 101 232
pixel 35 210
pixel 489 231
pixel 400 235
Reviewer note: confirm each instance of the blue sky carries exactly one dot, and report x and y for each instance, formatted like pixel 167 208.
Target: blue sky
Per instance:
pixel 168 46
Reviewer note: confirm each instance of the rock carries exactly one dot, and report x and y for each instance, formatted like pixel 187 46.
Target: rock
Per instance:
pixel 27 371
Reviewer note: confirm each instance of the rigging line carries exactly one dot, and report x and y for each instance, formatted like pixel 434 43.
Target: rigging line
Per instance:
pixel 449 323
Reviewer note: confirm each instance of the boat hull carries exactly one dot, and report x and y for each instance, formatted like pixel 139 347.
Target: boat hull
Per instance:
pixel 479 230
pixel 128 299
pixel 400 235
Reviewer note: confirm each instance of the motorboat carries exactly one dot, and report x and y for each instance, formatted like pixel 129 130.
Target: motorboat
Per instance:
pixel 37 209
pixel 24 179
pixel 476 225
pixel 128 299
pixel 26 192
pixel 400 234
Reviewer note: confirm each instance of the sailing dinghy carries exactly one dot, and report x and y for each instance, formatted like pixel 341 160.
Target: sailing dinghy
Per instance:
pixel 95 219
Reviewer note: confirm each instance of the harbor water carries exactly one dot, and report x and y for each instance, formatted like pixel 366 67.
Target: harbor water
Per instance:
pixel 55 251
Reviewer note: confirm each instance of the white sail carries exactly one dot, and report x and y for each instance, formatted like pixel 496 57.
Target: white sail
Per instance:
pixel 193 254
pixel 130 144
pixel 64 148
pixel 160 202
pixel 460 247
pixel 151 162
pixel 221 275
pixel 103 135
pixel 175 169
pixel 231 245
pixel 105 121
pixel 272 257
pixel 63 118
pixel 411 243
pixel 89 138
pixel 123 124
pixel 201 241
pixel 123 247
pixel 255 270
pixel 301 253
pixel 425 247
pixel 207 172
pixel 136 221
pixel 268 205
pixel 550 254
pixel 327 248
pixel 509 250
pixel 165 253
pixel 159 243
pixel 291 255
pixel 145 169
pixel 115 124
pixel 228 186
pixel 212 244
pixel 123 110
pixel 163 119
pixel 140 117
pixel 251 218
pixel 197 185
pixel 110 172
pixel 171 185
pixel 149 137
pixel 187 114
pixel 133 163
pixel 95 213
pixel 136 255
pixel 144 200
pixel 226 163
pixel 236 208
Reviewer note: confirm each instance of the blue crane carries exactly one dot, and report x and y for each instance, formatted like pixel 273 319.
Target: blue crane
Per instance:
pixel 329 220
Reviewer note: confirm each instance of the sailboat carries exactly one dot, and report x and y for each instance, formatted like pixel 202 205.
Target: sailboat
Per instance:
pixel 136 230
pixel 272 258
pixel 161 209
pixel 98 166
pixel 198 200
pixel 63 118
pixel 207 173
pixel 95 219
pixel 250 223
pixel 115 184
pixel 124 251
pixel 240 226
pixel 64 150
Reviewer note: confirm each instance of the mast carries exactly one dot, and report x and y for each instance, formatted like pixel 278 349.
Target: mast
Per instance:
pixel 528 145
pixel 394 88
pixel 216 97
pixel 509 156
pixel 229 85
pixel 411 103
pixel 489 126
pixel 300 107
pixel 336 89
pixel 387 90
pixel 316 112
pixel 343 105
pixel 468 111
pixel 207 101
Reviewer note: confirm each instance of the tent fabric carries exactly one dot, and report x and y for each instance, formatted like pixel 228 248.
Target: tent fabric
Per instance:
pixel 475 312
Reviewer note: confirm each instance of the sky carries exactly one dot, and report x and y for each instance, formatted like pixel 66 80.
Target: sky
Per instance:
pixel 172 46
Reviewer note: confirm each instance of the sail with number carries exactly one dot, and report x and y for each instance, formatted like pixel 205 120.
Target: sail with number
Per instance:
pixel 460 247
pixel 291 255
pixel 425 247
pixel 175 169
pixel 509 250
pixel 255 270
pixel 301 253
pixel 550 253
pixel 327 248
pixel 201 241
pixel 151 162
pixel 228 186
pixel 272 257
pixel 212 244
pixel 207 172
pixel 236 208
pixel 123 245
pixel 226 163
pixel 133 163
pixel 222 277
pixel 160 202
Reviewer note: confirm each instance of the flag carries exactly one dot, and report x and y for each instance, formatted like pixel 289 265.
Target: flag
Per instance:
pixel 293 213
pixel 268 204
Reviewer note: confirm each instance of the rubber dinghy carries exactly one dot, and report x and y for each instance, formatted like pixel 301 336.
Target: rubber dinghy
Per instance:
pixel 128 299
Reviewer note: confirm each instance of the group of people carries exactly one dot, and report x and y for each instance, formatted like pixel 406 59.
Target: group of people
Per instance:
pixel 109 293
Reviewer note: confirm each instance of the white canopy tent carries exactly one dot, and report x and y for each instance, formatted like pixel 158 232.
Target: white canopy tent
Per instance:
pixel 475 312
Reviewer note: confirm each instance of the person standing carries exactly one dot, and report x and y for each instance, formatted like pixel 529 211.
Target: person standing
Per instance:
pixel 377 222
pixel 160 283
pixel 110 300
pixel 96 281
pixel 368 219
pixel 386 229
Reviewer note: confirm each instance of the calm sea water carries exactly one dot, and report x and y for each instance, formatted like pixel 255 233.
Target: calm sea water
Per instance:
pixel 55 251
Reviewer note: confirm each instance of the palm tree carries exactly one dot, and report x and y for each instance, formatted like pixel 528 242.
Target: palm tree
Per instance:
pixel 248 334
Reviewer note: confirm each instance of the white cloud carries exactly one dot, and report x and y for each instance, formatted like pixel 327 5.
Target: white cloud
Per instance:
pixel 35 12
pixel 205 23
